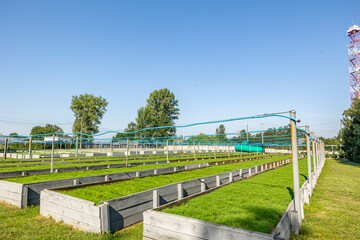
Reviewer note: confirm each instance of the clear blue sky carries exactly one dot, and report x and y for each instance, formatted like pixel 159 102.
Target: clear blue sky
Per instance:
pixel 222 59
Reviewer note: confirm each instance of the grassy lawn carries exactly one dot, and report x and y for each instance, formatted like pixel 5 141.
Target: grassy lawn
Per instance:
pixel 256 204
pixel 334 210
pixel 102 192
pixel 57 176
pixel 28 224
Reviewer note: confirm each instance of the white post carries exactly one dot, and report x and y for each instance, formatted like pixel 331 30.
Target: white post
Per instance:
pixel 194 152
pixel 314 156
pixel 180 191
pixel 52 155
pixel 155 199
pixel 294 149
pixel 202 185
pixel 308 157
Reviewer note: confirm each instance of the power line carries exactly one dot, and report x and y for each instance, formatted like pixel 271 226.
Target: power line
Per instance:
pixel 32 123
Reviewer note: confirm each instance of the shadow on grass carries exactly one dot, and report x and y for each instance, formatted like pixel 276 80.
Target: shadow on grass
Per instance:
pixel 306 178
pixel 291 192
pixel 347 162
pixel 260 219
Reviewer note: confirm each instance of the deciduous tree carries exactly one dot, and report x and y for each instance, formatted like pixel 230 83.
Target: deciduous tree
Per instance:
pixel 351 132
pixel 88 111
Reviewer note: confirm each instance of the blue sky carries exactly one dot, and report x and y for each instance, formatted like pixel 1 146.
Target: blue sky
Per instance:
pixel 222 59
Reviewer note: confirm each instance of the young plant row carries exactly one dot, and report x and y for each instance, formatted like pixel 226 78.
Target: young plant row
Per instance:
pixel 255 204
pixel 103 192
pixel 95 158
pixel 107 160
pixel 37 167
pixel 57 176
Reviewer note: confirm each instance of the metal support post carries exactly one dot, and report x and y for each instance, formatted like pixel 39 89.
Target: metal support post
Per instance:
pixel 294 149
pixel 194 152
pixel 214 151
pixel 127 151
pixel 167 150
pixel 76 147
pixel 30 147
pixel 6 147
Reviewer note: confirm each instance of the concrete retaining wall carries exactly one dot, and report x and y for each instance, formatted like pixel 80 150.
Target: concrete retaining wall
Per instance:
pixel 172 149
pixel 161 226
pixel 11 193
pixel 21 173
pixel 127 210
pixel 77 212
pixel 164 226
pixel 29 193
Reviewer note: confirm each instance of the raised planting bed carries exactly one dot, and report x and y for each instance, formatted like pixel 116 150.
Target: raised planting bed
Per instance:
pixel 101 154
pixel 38 170
pixel 89 209
pixel 105 160
pixel 131 156
pixel 249 209
pixel 30 187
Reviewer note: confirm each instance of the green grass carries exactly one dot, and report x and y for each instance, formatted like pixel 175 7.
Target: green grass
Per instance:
pixel 47 166
pixel 102 192
pixel 256 204
pixel 28 224
pixel 95 158
pixel 334 210
pixel 57 176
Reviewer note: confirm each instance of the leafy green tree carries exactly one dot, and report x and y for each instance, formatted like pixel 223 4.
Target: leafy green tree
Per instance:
pixel 13 134
pixel 351 132
pixel 48 128
pixel 130 128
pixel 219 131
pixel 88 111
pixel 161 110
pixel 141 121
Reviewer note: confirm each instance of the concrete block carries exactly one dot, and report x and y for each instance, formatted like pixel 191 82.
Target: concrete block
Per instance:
pixel 203 185
pixel 105 217
pixel 180 191
pixel 159 225
pixel 155 199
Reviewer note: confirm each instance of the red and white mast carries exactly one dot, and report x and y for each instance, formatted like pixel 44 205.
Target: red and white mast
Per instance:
pixel 354 68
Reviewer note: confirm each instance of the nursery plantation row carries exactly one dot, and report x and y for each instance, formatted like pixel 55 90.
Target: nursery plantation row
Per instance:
pixel 110 158
pixel 256 204
pixel 103 192
pixel 57 176
pixel 24 168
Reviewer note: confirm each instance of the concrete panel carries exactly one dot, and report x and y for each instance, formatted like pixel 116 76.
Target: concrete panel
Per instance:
pixel 155 222
pixel 11 193
pixel 77 212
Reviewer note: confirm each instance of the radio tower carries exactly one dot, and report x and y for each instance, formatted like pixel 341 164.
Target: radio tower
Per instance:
pixel 354 67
